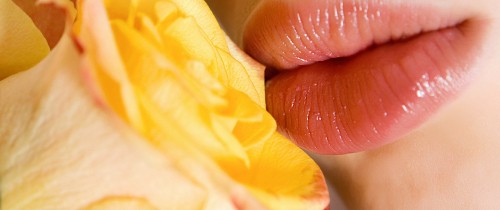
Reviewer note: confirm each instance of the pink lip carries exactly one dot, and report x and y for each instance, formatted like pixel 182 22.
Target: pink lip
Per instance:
pixel 363 74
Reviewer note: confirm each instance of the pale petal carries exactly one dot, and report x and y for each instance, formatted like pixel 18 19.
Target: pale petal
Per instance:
pixel 121 203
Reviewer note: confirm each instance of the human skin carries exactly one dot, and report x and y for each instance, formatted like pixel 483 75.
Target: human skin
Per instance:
pixel 448 161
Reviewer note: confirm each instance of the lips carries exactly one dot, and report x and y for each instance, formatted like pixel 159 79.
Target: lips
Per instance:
pixel 355 76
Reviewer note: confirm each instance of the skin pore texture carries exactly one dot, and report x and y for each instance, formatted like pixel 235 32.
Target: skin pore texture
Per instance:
pixel 446 157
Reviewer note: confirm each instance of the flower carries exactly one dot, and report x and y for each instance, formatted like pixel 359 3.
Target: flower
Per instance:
pixel 145 105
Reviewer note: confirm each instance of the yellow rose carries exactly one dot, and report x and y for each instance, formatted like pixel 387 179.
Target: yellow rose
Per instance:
pixel 144 105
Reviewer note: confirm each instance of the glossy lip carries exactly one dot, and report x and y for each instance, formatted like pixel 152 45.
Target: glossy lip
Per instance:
pixel 364 74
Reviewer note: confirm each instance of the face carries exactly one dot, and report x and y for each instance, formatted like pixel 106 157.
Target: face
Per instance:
pixel 404 94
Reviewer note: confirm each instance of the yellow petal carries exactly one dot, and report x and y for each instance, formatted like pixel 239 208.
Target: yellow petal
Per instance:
pixel 282 176
pixel 253 69
pixel 199 10
pixel 237 76
pixel 22 45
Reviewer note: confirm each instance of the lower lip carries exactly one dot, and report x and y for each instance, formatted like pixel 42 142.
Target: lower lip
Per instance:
pixel 375 97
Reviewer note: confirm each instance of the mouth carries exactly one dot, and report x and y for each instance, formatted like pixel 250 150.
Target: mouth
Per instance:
pixel 353 76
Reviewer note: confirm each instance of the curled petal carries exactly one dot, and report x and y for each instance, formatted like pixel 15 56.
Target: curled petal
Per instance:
pixel 49 18
pixel 22 45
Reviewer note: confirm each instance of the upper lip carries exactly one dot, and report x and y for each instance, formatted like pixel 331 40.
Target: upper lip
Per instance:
pixel 422 55
pixel 288 34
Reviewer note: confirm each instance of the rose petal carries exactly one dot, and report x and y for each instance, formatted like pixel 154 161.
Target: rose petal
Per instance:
pixel 195 97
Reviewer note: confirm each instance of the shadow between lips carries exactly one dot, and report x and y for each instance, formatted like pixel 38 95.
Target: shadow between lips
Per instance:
pixel 355 77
